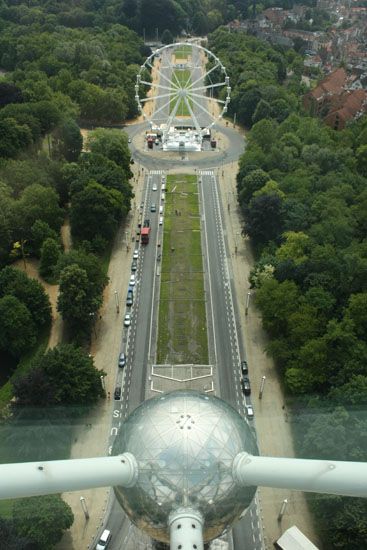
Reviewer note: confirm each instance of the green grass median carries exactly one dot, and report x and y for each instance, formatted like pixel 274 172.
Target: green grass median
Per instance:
pixel 182 331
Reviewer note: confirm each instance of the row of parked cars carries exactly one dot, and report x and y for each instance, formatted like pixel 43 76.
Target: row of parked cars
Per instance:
pixel 246 387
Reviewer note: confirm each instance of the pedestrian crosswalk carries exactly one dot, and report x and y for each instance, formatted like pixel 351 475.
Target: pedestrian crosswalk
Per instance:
pixel 206 172
pixel 156 172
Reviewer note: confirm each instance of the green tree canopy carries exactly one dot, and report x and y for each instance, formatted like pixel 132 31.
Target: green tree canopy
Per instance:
pixel 28 291
pixel 17 329
pixel 42 519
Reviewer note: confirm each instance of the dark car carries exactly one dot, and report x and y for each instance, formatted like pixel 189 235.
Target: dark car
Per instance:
pixel 129 298
pixel 117 394
pixel 244 367
pixel 246 388
pixel 147 222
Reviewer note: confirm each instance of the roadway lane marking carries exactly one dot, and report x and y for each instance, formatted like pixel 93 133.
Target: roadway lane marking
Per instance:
pixel 209 273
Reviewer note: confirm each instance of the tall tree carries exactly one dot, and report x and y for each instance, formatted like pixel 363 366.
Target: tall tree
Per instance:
pixel 42 519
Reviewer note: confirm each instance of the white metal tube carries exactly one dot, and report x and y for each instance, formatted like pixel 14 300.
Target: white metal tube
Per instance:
pixel 316 476
pixel 186 529
pixel 56 476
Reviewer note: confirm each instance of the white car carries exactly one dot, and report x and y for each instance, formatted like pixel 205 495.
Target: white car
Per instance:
pixel 163 186
pixel 104 541
pixel 127 320
pixel 250 412
pixel 154 187
pixel 160 220
pixel 132 280
pixel 136 254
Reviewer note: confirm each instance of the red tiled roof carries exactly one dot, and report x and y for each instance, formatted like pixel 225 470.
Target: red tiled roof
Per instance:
pixel 332 84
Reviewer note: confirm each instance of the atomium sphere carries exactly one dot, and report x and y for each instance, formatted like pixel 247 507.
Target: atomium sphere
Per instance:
pixel 184 443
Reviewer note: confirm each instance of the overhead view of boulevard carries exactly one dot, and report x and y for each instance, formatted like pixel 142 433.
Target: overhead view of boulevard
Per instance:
pixel 183 263
pixel 185 328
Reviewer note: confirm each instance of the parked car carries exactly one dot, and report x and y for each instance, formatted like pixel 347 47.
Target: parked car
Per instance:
pixel 246 388
pixel 244 367
pixel 117 394
pixel 134 265
pixel 129 140
pixel 127 320
pixel 136 254
pixel 122 360
pixel 161 209
pixel 163 186
pixel 157 141
pixel 104 541
pixel 250 411
pixel 129 297
pixel 153 207
pixel 160 220
pixel 132 279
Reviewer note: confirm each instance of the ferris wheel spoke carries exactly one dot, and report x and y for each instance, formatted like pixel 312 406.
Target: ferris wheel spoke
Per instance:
pixel 208 98
pixel 153 85
pixel 172 84
pixel 209 86
pixel 201 107
pixel 206 74
pixel 196 123
pixel 159 96
pixel 161 108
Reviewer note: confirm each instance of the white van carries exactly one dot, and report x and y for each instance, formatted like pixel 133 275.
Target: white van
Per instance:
pixel 104 541
pixel 160 220
pixel 161 209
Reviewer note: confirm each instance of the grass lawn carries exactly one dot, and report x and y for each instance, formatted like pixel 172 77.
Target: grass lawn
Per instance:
pixel 182 332
pixel 182 52
pixel 182 77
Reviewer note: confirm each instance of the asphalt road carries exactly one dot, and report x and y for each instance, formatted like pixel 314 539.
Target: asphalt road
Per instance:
pixel 138 340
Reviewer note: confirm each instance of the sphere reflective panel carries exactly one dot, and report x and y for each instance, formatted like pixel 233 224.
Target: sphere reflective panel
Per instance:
pixel 184 443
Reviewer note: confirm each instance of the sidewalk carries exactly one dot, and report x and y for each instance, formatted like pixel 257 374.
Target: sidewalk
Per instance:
pixel 273 431
pixel 91 437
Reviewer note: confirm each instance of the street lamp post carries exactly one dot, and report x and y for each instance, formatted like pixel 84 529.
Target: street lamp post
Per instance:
pixel 282 509
pixel 262 386
pixel 117 302
pixel 84 507
pixel 92 316
pixel 247 302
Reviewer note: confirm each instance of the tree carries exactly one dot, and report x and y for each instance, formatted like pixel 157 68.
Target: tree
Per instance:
pixel 75 303
pixel 357 313
pixel 343 520
pixel 42 519
pixel 10 538
pixel 66 374
pixel 167 37
pixel 97 280
pixel 294 247
pixel 40 232
pixel 249 184
pixel 50 253
pixel 37 203
pixel 69 140
pixel 265 218
pixel 28 291
pixel 17 329
pixel 113 145
pixel 95 211
pixel 13 137
pixel 9 93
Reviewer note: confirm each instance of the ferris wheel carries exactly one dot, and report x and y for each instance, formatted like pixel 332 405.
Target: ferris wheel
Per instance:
pixel 189 89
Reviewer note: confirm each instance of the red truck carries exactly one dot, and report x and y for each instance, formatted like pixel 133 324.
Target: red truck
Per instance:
pixel 144 234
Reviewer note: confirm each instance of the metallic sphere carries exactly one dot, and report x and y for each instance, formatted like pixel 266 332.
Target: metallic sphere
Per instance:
pixel 184 443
